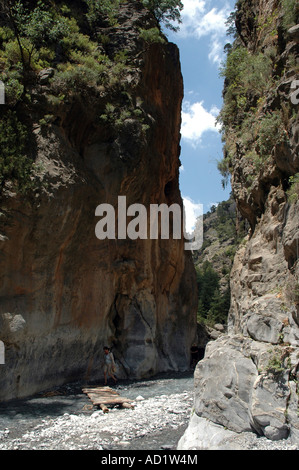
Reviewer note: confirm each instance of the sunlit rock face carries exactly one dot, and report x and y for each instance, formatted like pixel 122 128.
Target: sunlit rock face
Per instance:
pixel 248 380
pixel 64 293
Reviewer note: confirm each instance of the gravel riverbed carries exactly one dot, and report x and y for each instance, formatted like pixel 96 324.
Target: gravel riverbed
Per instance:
pixel 66 420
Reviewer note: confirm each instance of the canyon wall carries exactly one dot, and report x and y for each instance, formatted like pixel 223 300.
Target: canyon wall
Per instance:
pixel 64 294
pixel 248 379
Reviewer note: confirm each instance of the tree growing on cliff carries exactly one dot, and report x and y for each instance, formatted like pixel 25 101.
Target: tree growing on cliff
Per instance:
pixel 29 34
pixel 167 12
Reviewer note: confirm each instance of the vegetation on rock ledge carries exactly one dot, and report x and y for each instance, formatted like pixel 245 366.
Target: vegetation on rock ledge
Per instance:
pixel 67 39
pixel 251 127
pixel 224 230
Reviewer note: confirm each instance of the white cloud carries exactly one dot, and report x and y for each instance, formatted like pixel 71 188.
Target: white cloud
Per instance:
pixel 216 52
pixel 212 204
pixel 196 120
pixel 193 8
pixel 211 22
pixel 192 212
pixel 200 18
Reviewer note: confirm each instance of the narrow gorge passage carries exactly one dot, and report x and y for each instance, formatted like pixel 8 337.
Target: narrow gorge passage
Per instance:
pixel 103 140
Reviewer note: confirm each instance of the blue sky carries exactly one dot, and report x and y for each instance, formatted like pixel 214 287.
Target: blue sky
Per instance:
pixel 201 39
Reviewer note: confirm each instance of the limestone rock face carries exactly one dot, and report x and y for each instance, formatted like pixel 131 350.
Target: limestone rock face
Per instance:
pixel 233 375
pixel 64 294
pixel 248 380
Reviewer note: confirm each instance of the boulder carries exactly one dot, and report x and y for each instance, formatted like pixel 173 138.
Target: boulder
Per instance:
pixel 223 382
pixel 202 434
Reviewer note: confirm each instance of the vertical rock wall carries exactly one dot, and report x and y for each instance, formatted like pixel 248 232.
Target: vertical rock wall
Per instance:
pixel 64 294
pixel 248 380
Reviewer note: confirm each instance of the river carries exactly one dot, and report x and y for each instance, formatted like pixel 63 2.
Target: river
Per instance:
pixel 65 419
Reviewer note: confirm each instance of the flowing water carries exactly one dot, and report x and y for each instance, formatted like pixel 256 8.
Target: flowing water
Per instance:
pixel 66 420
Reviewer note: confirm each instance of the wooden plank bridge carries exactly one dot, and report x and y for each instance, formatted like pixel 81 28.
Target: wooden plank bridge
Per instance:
pixel 106 396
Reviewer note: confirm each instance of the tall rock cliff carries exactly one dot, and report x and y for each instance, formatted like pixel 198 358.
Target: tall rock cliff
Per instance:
pixel 64 294
pixel 248 380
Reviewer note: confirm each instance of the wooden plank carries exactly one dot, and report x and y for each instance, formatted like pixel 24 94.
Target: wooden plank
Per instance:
pixel 102 396
pixel 99 389
pixel 104 408
pixel 109 401
pixel 127 405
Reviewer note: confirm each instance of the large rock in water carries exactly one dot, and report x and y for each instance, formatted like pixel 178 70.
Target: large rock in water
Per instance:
pixel 64 293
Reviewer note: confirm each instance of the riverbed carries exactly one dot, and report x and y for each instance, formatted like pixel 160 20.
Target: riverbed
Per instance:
pixel 64 419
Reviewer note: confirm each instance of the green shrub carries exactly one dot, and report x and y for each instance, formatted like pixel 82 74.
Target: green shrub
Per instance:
pixel 14 88
pixel 275 364
pixel 31 30
pixel 270 133
pixel 224 167
pixel 293 191
pixel 99 8
pixel 152 35
pixel 279 361
pixel 251 77
pixel 213 307
pixel 15 163
pixel 75 78
pixel 248 77
pixel 290 13
pixel 116 115
pixel 85 67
